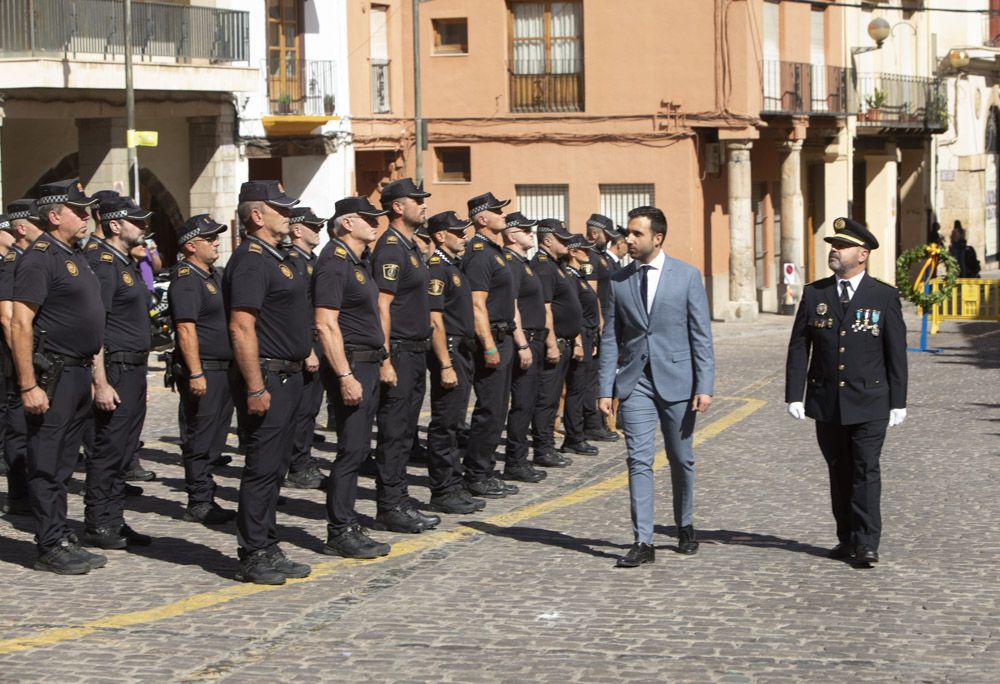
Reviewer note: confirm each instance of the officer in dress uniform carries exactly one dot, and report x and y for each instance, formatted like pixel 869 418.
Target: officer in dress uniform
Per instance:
pixel 350 333
pixel 202 360
pixel 304 471
pixel 493 306
pixel 581 377
pixel 453 342
pixel 404 308
pixel 524 376
pixel 119 375
pixel 24 227
pixel 58 317
pixel 564 342
pixel 848 349
pixel 270 324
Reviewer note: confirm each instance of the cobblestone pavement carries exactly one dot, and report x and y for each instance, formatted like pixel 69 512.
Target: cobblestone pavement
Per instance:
pixel 527 591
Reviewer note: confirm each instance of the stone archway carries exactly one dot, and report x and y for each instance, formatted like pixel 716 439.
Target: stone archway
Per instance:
pixel 167 218
pixel 68 167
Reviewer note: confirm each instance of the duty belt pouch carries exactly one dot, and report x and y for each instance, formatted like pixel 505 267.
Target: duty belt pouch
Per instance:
pixel 48 371
pixel 171 371
pixel 563 344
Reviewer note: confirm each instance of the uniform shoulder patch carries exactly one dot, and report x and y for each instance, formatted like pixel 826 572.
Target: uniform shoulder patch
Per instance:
pixel 478 246
pixel 107 256
pixel 390 271
pixel 183 271
pixel 542 257
pixel 255 248
pixel 435 287
pixel 41 246
pixel 91 247
pixel 340 252
pixel 586 269
pixel 391 240
pixel 434 260
pixel 509 257
pixel 11 255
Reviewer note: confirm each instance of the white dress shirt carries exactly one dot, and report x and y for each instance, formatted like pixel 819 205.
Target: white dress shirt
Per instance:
pixel 852 284
pixel 654 269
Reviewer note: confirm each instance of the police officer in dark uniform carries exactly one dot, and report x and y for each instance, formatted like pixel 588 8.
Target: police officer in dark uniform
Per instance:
pixel 22 216
pixel 304 470
pixel 119 376
pixel 493 306
pixel 350 333
pixel 58 317
pixel 531 349
pixel 581 377
pixel 270 324
pixel 564 340
pixel 202 360
pixel 453 339
pixel 598 271
pixel 848 349
pixel 404 308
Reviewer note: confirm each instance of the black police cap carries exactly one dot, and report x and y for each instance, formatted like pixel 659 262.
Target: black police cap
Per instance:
pixel 602 222
pixel 852 232
pixel 485 202
pixel 68 191
pixel 398 189
pixel 516 219
pixel 577 241
pixel 269 191
pixel 117 208
pixel 447 220
pixel 421 232
pixel 5 223
pixel 306 217
pixel 554 226
pixel 24 208
pixel 200 225
pixel 100 196
pixel 356 205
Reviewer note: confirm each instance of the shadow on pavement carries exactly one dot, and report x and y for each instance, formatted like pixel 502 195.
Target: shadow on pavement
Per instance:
pixel 745 539
pixel 540 535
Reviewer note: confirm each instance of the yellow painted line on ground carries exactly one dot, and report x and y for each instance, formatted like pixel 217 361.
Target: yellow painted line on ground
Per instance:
pixel 51 637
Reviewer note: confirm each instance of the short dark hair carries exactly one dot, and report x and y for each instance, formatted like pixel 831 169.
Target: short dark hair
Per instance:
pixel 657 219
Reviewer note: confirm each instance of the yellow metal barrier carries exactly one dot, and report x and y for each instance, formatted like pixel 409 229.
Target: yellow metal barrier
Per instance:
pixel 972 299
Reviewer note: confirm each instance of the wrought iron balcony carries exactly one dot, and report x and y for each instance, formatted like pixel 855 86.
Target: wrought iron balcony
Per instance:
pixel 537 86
pixel 96 27
pixel 801 88
pixel 300 87
pixel 897 101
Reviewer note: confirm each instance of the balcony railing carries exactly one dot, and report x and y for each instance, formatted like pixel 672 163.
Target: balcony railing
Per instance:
pixel 893 100
pixel 380 86
pixel 301 87
pixel 539 87
pixel 96 27
pixel 799 88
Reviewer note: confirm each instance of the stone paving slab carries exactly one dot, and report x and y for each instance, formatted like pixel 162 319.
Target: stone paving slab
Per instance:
pixel 527 590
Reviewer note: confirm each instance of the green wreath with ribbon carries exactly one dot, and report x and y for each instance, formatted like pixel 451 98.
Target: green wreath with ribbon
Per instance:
pixel 914 290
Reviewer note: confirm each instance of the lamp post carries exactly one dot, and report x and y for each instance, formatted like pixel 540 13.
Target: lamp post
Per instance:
pixel 133 157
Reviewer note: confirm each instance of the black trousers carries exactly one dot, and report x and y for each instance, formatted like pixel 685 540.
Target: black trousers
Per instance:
pixel 15 442
pixel 593 419
pixel 852 455
pixel 204 425
pixel 581 393
pixel 550 385
pixel 116 439
pixel 448 409
pixel 398 413
pixel 305 421
pixel 523 395
pixel 492 387
pixel 354 428
pixel 268 445
pixel 53 451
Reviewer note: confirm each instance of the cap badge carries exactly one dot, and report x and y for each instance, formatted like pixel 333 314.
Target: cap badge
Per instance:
pixel 840 224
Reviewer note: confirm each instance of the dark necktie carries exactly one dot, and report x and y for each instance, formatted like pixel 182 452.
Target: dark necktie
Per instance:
pixel 644 286
pixel 845 295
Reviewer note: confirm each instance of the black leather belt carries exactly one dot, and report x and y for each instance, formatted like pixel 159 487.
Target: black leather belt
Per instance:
pixel 500 330
pixel 565 342
pixel 127 358
pixel 280 365
pixel 532 334
pixel 73 360
pixel 410 345
pixel 357 354
pixel 467 344
pixel 213 365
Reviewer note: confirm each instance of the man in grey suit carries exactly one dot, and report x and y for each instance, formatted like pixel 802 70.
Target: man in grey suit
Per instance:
pixel 656 358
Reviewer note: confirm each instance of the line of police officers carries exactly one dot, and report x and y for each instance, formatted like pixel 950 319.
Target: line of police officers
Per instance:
pixel 365 320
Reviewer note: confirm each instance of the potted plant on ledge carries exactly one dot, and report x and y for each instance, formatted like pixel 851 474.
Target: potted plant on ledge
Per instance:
pixel 873 105
pixel 328 105
pixel 285 104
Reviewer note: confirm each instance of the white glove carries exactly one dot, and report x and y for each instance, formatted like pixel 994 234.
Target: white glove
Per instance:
pixel 797 410
pixel 896 417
